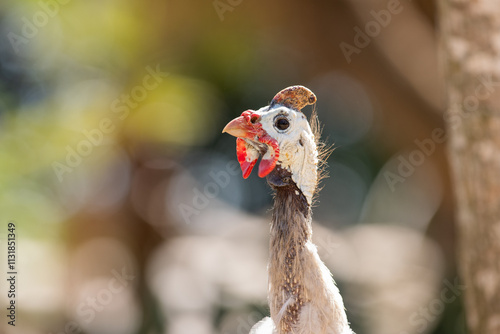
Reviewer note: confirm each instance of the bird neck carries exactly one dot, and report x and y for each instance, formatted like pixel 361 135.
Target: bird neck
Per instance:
pixel 291 221
pixel 290 226
pixel 290 231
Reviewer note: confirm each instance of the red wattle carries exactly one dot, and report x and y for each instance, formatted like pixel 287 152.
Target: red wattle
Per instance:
pixel 242 154
pixel 246 168
pixel 266 166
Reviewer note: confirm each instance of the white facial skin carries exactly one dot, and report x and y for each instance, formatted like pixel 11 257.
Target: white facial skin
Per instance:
pixel 296 142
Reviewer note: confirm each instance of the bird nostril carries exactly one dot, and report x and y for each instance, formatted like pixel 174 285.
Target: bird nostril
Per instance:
pixel 254 118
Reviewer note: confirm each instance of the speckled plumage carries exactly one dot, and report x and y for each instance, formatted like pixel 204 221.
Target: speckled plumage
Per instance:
pixel 294 97
pixel 303 298
pixel 302 295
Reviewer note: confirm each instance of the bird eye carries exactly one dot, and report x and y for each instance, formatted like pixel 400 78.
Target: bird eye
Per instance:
pixel 281 123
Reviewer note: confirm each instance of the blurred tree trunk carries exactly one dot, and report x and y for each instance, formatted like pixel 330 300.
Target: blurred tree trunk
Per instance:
pixel 470 41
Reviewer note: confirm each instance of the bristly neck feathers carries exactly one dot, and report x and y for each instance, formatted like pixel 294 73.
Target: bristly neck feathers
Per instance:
pixel 291 219
pixel 290 230
pixel 302 295
pixel 294 180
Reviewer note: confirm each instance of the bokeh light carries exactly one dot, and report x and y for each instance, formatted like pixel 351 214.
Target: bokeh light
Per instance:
pixel 113 164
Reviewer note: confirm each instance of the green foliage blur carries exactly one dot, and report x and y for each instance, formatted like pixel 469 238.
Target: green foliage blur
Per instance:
pixel 111 115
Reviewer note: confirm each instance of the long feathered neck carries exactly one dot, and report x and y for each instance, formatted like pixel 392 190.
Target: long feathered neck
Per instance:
pixel 291 220
pixel 290 231
pixel 303 298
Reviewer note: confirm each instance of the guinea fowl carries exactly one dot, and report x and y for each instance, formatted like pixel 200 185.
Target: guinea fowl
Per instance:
pixel 302 296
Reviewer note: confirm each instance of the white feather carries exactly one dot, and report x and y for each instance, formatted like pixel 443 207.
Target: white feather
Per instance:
pixel 265 326
pixel 298 152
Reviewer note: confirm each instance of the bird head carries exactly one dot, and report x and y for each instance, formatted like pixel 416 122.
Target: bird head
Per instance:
pixel 280 133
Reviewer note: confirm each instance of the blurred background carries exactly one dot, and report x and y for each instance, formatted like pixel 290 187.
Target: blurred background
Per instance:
pixel 131 212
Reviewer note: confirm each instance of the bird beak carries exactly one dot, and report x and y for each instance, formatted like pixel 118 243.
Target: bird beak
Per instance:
pixel 251 141
pixel 238 127
pixel 247 155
